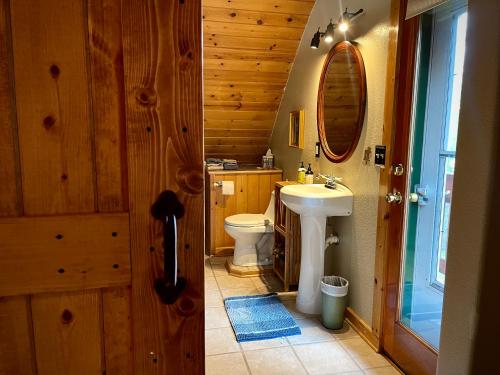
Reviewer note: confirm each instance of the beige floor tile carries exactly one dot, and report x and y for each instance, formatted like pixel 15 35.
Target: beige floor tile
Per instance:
pixel 239 292
pixel 346 332
pixel 232 282
pixel 210 284
pixel 290 305
pixel 264 344
pixel 226 364
pixel 216 317
pixel 268 282
pixel 217 260
pixel 312 331
pixel 208 268
pixel 382 371
pixel 276 361
pixel 287 296
pixel 220 341
pixel 363 354
pixel 325 358
pixel 264 290
pixel 219 270
pixel 213 298
pixel 207 261
pixel 370 361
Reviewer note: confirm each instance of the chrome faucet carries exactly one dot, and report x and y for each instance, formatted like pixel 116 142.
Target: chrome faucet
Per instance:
pixel 330 181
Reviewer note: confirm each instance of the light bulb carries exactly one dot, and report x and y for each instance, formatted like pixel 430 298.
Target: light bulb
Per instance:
pixel 344 26
pixel 330 30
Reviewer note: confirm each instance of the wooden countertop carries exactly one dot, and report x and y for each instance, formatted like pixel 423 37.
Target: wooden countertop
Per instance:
pixel 285 183
pixel 246 170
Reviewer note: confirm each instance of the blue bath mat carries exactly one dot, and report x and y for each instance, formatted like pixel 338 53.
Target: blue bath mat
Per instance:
pixel 259 317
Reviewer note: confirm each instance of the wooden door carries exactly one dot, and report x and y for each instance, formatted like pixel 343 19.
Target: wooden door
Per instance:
pixel 100 111
pixel 433 47
pixel 407 350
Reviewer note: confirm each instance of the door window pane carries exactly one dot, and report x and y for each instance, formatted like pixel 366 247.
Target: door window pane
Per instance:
pixel 456 82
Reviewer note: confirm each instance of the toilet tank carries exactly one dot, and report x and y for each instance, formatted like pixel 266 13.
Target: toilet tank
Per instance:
pixel 270 208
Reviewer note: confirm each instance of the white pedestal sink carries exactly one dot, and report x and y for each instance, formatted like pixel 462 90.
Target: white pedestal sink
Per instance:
pixel 314 203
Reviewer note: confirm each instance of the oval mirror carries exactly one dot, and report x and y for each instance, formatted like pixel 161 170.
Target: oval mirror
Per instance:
pixel 341 101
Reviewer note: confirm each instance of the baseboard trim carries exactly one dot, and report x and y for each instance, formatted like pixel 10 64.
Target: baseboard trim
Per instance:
pixel 363 329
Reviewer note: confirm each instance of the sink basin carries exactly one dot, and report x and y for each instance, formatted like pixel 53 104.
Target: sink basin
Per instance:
pixel 314 203
pixel 317 199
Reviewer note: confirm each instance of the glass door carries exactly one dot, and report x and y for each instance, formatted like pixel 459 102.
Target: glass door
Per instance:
pixel 428 104
pixel 438 83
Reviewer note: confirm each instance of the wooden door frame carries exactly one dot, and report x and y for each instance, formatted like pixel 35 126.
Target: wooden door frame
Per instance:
pixel 410 352
pixel 420 358
pixel 398 10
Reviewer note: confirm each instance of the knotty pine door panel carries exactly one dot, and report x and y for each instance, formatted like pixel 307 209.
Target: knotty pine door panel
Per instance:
pixel 85 148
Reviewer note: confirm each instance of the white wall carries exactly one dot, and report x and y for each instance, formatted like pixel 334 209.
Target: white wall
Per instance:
pixel 474 193
pixel 354 258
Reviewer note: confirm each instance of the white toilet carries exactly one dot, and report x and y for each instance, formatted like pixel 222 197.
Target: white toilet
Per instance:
pixel 253 235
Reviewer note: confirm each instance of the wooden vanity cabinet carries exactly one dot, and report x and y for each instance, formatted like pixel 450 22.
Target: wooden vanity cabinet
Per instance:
pixel 286 254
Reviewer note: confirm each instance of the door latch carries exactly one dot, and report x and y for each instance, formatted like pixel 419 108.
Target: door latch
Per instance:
pixel 394 197
pixel 398 170
pixel 420 195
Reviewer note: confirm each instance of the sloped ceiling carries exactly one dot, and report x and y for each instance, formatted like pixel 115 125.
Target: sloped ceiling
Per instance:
pixel 249 46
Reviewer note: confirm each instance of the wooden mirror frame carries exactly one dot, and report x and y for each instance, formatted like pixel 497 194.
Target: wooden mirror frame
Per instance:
pixel 330 154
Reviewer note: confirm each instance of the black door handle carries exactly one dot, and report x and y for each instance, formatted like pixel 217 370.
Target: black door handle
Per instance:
pixel 168 209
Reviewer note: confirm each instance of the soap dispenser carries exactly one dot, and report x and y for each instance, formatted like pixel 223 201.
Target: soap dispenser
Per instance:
pixel 301 174
pixel 309 175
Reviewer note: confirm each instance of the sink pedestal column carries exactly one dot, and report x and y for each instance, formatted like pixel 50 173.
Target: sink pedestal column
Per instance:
pixel 312 263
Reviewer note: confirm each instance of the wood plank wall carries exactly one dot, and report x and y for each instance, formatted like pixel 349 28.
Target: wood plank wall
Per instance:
pixel 249 47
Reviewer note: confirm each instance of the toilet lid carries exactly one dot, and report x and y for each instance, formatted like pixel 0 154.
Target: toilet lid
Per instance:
pixel 247 220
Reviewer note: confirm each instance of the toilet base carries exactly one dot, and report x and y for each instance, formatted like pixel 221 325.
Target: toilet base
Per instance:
pixel 252 249
pixel 247 271
pixel 247 257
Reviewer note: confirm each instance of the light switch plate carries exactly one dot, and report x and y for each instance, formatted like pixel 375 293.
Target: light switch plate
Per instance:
pixel 380 156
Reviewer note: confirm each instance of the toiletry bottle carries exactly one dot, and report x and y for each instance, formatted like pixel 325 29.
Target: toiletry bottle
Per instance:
pixel 301 174
pixel 309 175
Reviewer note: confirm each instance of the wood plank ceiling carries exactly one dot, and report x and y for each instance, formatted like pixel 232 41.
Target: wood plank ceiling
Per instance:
pixel 249 47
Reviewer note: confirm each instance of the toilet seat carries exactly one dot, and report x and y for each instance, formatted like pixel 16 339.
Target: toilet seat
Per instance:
pixel 248 220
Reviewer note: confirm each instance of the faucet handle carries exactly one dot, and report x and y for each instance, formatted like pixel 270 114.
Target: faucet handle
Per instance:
pixel 330 181
pixel 326 177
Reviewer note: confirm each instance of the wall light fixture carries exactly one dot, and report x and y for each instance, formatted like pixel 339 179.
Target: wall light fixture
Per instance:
pixel 343 25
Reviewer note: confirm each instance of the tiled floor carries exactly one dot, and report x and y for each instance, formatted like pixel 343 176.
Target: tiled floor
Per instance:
pixel 317 351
